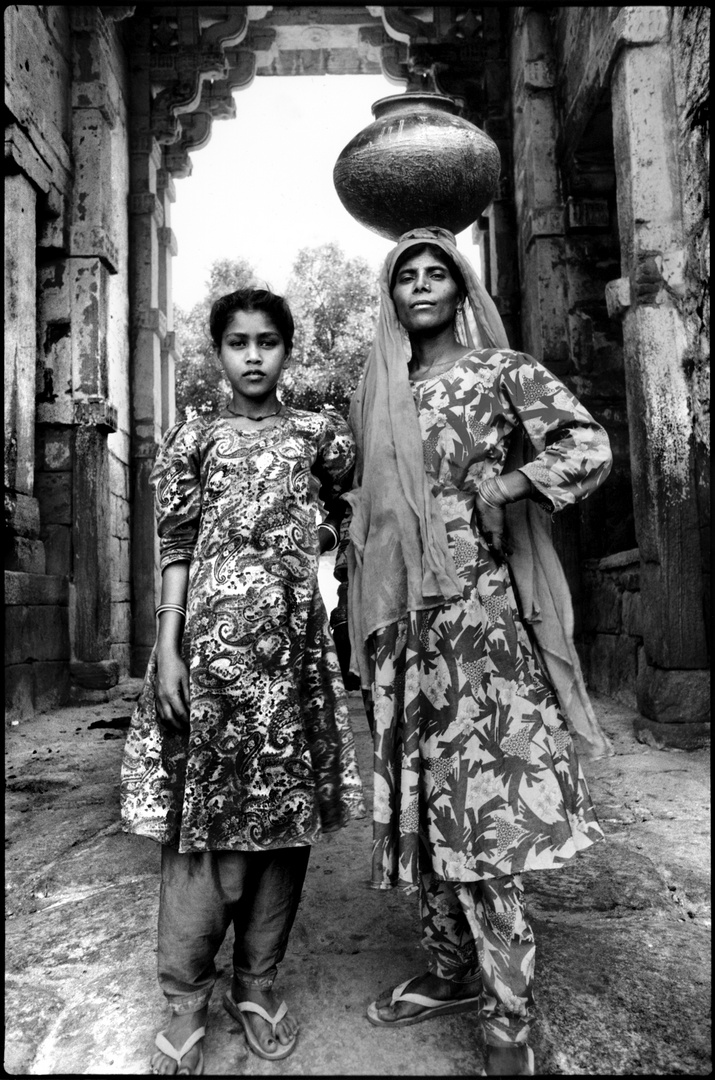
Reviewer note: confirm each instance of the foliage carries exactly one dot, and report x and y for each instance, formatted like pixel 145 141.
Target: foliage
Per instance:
pixel 334 300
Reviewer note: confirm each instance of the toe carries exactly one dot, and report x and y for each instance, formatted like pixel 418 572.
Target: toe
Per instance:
pixel 161 1065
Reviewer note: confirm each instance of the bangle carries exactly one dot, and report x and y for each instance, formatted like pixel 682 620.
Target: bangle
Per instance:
pixel 489 493
pixel 170 607
pixel 333 532
pixel 503 488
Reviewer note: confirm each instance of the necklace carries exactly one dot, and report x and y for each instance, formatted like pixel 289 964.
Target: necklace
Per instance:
pixel 246 416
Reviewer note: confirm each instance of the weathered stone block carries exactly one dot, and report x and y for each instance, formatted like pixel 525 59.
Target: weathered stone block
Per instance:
pixel 51 685
pixel 122 653
pixel 25 516
pixel 123 568
pixel 25 556
pixel 58 549
pixel 612 664
pixel 672 696
pixel 121 592
pixel 19 692
pixel 120 520
pixel 602 609
pixel 36 633
pixel 631 613
pixel 54 493
pixel 35 589
pixel 118 473
pixel 94 675
pixel 676 736
pixel 54 448
pixel 121 622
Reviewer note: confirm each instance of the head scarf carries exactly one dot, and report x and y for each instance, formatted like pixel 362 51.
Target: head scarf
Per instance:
pixel 399 559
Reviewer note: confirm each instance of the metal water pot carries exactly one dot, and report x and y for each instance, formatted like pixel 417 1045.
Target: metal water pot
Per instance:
pixel 417 164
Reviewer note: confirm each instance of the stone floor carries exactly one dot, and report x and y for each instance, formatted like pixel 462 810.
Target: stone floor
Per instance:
pixel 623 961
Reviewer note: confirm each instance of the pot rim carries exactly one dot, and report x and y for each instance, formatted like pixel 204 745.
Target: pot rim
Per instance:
pixel 415 97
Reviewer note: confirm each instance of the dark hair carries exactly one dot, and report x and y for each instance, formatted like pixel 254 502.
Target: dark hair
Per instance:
pixel 444 257
pixel 251 299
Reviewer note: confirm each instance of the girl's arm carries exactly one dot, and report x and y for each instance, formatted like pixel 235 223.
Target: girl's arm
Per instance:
pixel 177 480
pixel 172 676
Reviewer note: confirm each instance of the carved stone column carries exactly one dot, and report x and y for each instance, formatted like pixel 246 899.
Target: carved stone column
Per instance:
pixel 673 685
pixel 92 260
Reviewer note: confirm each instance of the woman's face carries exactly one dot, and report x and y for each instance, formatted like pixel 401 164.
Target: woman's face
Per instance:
pixel 425 294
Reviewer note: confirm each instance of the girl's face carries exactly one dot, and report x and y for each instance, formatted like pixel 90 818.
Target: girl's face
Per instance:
pixel 425 294
pixel 252 354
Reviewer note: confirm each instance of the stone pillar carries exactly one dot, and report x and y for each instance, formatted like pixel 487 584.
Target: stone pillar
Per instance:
pixel 148 329
pixel 24 550
pixel 93 258
pixel 673 685
pixel 167 250
pixel 500 250
pixel 538 198
pixel 537 193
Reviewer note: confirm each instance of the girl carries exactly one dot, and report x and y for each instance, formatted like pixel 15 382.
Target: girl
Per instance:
pixel 240 751
pixel 476 776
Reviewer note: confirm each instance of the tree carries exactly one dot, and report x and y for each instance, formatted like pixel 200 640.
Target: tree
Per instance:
pixel 200 383
pixel 334 300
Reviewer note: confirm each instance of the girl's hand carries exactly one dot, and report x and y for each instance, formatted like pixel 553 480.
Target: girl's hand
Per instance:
pixel 172 691
pixel 491 522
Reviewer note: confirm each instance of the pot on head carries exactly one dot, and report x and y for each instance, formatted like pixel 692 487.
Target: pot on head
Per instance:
pixel 417 164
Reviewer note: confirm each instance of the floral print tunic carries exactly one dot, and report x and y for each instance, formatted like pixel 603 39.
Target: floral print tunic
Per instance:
pixel 475 771
pixel 269 758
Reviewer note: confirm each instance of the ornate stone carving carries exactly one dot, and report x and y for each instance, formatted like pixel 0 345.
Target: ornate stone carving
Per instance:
pixel 187 48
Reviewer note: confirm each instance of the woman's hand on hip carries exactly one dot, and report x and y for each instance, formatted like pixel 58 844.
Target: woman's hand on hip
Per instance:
pixel 172 690
pixel 491 522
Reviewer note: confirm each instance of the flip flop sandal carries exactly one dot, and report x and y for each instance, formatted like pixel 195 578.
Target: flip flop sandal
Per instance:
pixel 162 1043
pixel 432 1007
pixel 528 1071
pixel 238 1008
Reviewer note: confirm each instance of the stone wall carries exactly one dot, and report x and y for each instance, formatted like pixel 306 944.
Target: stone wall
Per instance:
pixel 67 410
pixel 690 40
pixel 610 185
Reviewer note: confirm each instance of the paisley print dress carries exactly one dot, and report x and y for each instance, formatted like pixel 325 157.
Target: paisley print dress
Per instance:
pixel 269 758
pixel 475 770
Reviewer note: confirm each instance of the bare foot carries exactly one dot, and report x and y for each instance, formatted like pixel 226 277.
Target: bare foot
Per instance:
pixel 429 985
pixel 181 1026
pixel 286 1029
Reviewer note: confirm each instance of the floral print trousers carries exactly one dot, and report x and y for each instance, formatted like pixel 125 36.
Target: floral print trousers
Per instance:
pixel 468 923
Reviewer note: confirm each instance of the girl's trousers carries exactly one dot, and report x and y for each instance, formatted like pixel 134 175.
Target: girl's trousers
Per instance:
pixel 465 924
pixel 201 894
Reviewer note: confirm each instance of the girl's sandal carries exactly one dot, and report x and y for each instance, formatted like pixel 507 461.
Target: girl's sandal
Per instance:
pixel 162 1043
pixel 238 1008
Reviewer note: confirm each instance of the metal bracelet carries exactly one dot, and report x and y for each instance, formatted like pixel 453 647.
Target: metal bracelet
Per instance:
pixel 487 493
pixel 334 533
pixel 170 607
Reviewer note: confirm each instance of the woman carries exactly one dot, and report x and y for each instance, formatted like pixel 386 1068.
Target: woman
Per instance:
pixel 476 776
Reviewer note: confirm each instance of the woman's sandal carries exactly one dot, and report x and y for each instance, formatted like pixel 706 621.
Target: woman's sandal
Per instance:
pixel 527 1068
pixel 238 1008
pixel 432 1007
pixel 162 1043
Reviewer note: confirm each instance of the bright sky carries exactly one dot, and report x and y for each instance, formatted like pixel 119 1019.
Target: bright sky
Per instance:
pixel 263 186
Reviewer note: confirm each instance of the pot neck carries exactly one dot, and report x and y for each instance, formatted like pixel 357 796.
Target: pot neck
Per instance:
pixel 397 103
